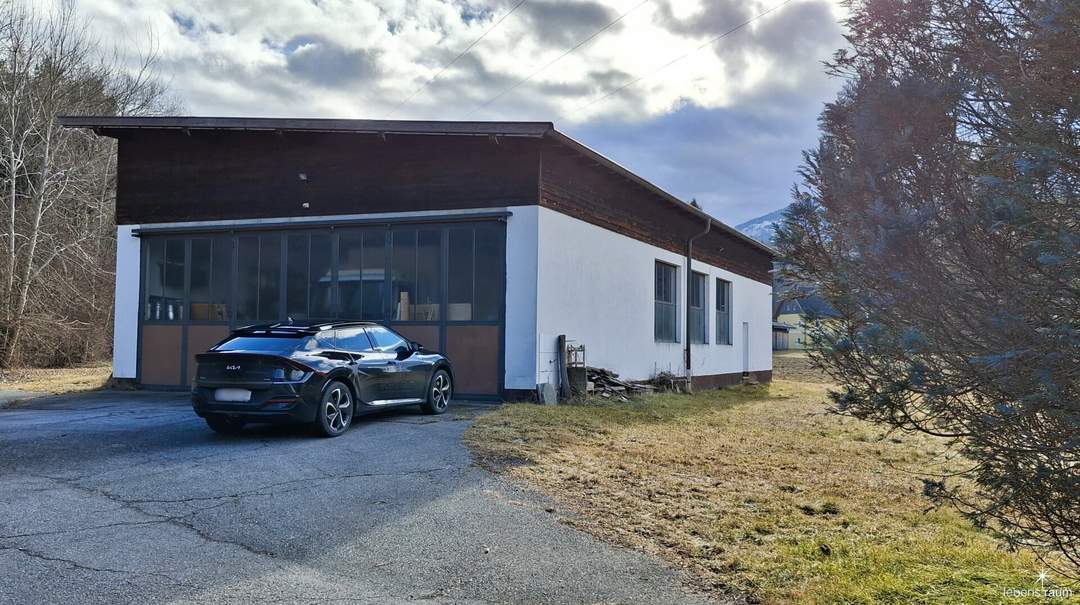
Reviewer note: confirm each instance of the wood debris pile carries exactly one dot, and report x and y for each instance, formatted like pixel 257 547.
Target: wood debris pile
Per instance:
pixel 607 384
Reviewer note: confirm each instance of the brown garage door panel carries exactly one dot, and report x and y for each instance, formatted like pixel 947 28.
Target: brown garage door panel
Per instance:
pixel 474 353
pixel 159 358
pixel 199 339
pixel 425 335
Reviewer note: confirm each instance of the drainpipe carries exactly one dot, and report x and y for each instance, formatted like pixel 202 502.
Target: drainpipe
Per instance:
pixel 689 280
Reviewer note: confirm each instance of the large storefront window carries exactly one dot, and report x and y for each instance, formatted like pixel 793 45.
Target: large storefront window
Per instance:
pixel 395 274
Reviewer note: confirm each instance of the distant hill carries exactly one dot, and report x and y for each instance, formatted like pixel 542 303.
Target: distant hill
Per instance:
pixel 761 228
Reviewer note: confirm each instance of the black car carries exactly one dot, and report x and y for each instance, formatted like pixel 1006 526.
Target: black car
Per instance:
pixel 323 374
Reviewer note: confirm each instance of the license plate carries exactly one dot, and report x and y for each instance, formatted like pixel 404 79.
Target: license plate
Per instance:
pixel 240 395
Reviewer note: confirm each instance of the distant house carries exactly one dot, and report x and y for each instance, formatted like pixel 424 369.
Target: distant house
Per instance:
pixel 781 336
pixel 793 310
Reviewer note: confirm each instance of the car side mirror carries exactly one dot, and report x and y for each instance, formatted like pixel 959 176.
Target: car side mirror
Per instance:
pixel 416 346
pixel 403 352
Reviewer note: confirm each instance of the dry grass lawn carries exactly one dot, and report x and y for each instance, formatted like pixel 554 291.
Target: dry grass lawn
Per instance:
pixel 57 381
pixel 758 491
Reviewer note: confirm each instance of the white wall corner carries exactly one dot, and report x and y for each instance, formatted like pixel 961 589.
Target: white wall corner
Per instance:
pixel 126 306
pixel 522 249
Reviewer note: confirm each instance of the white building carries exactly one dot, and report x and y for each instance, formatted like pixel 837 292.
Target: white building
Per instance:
pixel 485 240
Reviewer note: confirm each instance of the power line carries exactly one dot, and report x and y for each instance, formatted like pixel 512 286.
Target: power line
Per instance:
pixel 680 58
pixel 514 86
pixel 460 55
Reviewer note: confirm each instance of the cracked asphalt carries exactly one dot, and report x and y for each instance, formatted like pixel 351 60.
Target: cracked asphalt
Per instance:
pixel 130 498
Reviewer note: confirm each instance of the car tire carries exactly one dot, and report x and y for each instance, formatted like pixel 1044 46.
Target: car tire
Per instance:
pixel 336 410
pixel 224 425
pixel 440 390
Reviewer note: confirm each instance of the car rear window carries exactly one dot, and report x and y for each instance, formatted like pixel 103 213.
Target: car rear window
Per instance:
pixel 269 344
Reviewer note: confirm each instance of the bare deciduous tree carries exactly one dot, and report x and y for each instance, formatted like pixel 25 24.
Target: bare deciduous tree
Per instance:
pixel 58 184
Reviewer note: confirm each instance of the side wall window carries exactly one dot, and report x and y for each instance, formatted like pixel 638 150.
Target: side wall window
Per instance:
pixel 699 302
pixel 665 325
pixel 723 312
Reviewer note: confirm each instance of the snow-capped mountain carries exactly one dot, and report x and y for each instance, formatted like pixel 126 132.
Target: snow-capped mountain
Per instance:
pixel 761 228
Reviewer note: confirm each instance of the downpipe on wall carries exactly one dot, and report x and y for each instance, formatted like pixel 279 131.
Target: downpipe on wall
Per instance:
pixel 686 311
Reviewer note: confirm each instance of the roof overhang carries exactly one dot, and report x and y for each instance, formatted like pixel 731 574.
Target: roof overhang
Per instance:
pixel 115 126
pixel 610 164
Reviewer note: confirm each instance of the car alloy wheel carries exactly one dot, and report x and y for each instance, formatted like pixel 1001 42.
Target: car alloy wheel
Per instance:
pixel 440 393
pixel 337 408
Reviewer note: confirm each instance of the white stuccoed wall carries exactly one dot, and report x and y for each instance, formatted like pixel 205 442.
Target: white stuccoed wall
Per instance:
pixel 597 287
pixel 521 274
pixel 126 309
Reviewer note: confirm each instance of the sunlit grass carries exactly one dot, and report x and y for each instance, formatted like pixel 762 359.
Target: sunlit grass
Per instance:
pixel 757 490
pixel 58 380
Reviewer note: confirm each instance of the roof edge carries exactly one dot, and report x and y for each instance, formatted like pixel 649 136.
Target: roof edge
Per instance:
pixel 102 124
pixel 615 166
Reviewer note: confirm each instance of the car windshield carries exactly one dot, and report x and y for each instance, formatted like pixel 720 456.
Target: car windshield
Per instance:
pixel 268 344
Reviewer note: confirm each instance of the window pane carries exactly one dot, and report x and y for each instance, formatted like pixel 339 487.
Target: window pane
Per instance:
pixel 247 278
pixel 428 276
pixel 269 277
pixel 403 272
pixel 723 312
pixel 384 339
pixel 350 273
pixel 665 322
pixel 202 253
pixel 361 274
pixel 165 280
pixel 320 292
pixel 696 317
pixel 296 277
pixel 211 279
pixel 666 319
pixel 489 272
pixel 159 306
pixel 697 325
pixel 374 279
pixel 460 279
pixel 353 339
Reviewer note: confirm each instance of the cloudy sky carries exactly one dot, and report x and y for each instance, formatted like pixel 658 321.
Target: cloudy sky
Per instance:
pixel 726 124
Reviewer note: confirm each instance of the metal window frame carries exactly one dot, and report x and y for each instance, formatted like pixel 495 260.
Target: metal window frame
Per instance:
pixel 724 317
pixel 674 287
pixel 703 309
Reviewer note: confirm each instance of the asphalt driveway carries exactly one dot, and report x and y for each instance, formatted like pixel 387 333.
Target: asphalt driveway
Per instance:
pixel 129 498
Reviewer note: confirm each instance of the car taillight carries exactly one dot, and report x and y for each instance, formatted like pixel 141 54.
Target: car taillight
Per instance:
pixel 293 371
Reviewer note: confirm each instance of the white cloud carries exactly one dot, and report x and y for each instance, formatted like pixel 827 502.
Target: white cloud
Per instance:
pixel 364 57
